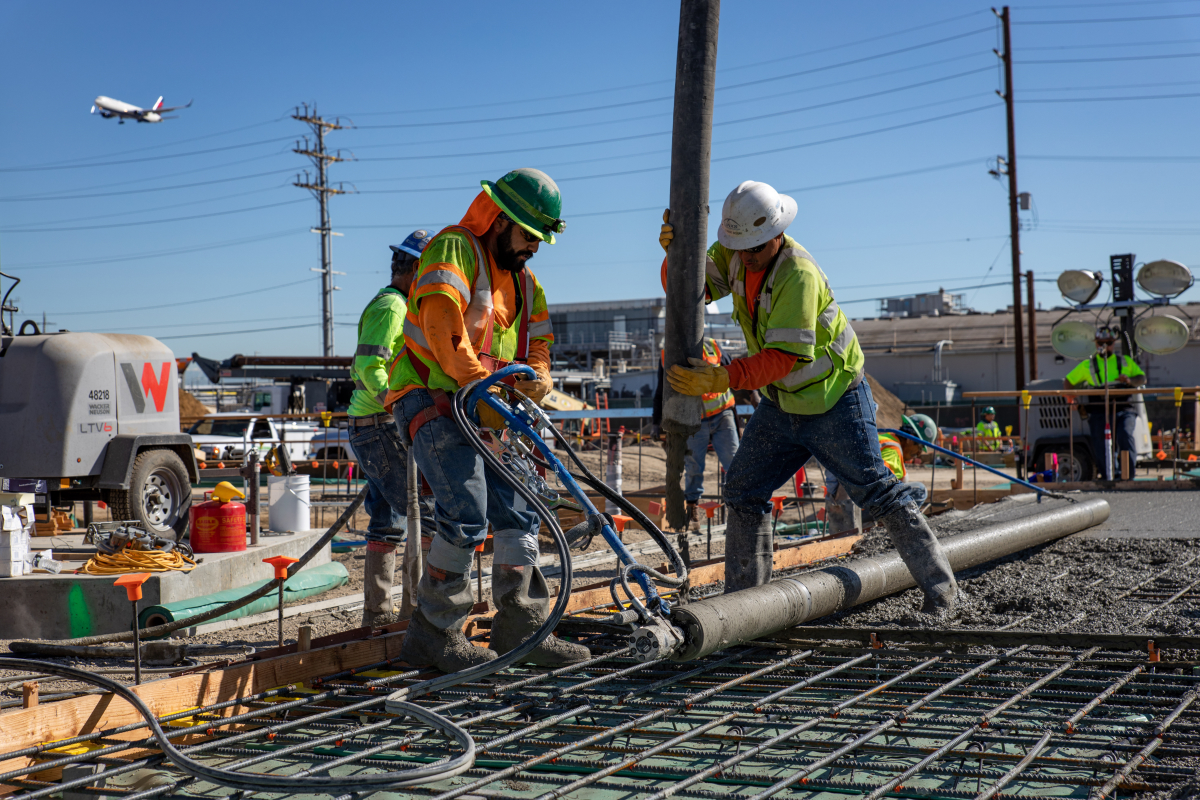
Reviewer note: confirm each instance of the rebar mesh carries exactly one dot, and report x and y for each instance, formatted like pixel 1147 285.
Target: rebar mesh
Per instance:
pixel 753 721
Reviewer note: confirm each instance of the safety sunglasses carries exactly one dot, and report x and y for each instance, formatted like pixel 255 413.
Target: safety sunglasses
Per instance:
pixel 758 249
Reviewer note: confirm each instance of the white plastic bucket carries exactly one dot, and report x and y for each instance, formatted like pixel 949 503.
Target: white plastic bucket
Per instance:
pixel 287 503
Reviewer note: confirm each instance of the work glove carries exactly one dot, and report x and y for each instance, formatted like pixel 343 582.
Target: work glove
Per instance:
pixel 536 389
pixel 700 378
pixel 668 230
pixel 488 416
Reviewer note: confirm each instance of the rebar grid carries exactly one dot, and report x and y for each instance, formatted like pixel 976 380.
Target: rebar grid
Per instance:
pixel 748 722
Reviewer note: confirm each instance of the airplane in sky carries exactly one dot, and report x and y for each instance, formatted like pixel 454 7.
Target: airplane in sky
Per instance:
pixel 108 108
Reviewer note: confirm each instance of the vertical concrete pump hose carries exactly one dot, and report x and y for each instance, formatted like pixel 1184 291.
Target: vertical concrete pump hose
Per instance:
pixel 233 605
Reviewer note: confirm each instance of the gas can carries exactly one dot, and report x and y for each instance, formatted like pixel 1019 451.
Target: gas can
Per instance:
pixel 219 525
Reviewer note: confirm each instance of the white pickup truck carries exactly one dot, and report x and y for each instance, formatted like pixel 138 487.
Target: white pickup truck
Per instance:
pixel 330 443
pixel 231 435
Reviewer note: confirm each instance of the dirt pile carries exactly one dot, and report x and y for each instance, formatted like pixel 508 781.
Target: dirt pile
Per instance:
pixel 190 407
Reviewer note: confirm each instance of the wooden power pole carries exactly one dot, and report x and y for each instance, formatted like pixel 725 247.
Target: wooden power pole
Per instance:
pixel 1014 223
pixel 691 150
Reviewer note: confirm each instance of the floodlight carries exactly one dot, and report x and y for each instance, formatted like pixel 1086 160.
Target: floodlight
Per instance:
pixel 1073 339
pixel 1080 285
pixel 1164 278
pixel 1161 335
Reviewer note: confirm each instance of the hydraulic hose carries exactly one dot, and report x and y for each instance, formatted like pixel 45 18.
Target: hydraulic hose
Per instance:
pixel 358 783
pixel 33 648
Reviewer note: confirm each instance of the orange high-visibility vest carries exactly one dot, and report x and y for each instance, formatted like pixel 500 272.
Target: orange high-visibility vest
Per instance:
pixel 714 402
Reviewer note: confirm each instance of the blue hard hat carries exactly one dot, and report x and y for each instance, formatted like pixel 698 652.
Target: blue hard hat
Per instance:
pixel 414 244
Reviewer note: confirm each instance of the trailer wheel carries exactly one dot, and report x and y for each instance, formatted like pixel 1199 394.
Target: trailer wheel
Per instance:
pixel 1079 468
pixel 159 494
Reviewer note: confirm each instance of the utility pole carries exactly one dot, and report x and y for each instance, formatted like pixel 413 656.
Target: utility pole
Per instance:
pixel 1014 223
pixel 691 151
pixel 321 189
pixel 1033 338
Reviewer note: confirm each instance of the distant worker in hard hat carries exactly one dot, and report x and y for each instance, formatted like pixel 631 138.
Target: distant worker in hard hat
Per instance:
pixel 717 426
pixel 806 360
pixel 373 435
pixel 987 430
pixel 1105 368
pixel 475 308
pixel 840 512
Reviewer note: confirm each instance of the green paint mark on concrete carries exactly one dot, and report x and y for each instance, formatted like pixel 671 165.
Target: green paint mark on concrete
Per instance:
pixel 78 612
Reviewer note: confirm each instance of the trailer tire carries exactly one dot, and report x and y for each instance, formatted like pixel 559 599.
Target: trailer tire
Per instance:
pixel 1083 466
pixel 159 494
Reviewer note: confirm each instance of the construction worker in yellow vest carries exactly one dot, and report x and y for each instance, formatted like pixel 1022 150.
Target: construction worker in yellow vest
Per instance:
pixel 717 425
pixel 988 430
pixel 474 308
pixel 804 355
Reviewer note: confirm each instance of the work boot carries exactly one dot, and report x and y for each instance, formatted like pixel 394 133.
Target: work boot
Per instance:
pixel 522 605
pixel 841 515
pixel 749 555
pixel 924 557
pixel 434 636
pixel 377 585
pixel 694 515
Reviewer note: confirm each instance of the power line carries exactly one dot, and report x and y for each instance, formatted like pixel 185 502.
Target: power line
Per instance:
pixel 157 306
pixel 150 221
pixel 1102 20
pixel 147 158
pixel 1164 159
pixel 210 334
pixel 160 207
pixel 146 190
pixel 158 253
pixel 1110 99
pixel 1111 45
pixel 1112 86
pixel 1108 59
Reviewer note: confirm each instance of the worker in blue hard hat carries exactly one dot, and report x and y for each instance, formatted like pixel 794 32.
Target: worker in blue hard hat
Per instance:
pixel 373 434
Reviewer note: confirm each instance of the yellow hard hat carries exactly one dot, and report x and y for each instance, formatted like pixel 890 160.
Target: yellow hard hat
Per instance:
pixel 225 491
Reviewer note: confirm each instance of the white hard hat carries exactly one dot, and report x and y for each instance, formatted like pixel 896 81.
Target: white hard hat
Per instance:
pixel 754 213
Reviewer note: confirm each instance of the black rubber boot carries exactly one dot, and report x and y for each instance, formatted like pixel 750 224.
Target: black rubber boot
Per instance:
pixel 522 605
pixel 434 637
pixel 841 515
pixel 749 555
pixel 924 557
pixel 377 587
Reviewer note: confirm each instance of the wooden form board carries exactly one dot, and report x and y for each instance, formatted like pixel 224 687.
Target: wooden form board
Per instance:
pixel 63 719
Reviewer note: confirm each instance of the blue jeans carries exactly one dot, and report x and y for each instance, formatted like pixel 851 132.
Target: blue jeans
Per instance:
pixel 467 495
pixel 920 491
pixel 844 440
pixel 722 432
pixel 1123 422
pixel 383 461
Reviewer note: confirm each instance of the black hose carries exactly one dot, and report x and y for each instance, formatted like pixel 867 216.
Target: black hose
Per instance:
pixel 265 782
pixel 34 648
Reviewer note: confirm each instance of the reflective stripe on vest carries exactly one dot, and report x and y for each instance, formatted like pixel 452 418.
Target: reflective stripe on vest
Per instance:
pixel 479 317
pixel 822 364
pixel 887 443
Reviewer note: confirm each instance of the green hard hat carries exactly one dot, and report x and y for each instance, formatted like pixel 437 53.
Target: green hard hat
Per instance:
pixel 921 425
pixel 531 198
pixel 989 410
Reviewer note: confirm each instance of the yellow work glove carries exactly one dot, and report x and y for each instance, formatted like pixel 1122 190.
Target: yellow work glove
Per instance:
pixel 536 389
pixel 488 416
pixel 700 378
pixel 668 230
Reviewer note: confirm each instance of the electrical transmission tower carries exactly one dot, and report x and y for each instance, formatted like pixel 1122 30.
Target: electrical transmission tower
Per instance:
pixel 314 148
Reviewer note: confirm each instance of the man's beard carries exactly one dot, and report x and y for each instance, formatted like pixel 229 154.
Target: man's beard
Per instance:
pixel 507 258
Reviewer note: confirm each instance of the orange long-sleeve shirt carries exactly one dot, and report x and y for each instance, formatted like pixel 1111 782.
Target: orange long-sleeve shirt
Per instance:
pixel 764 367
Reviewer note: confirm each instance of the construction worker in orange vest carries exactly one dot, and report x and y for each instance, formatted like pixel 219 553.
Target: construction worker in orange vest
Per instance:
pixel 717 425
pixel 474 308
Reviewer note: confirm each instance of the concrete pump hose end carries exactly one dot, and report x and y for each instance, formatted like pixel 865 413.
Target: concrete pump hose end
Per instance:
pixel 731 619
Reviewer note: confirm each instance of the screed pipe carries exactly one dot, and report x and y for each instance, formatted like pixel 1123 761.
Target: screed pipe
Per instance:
pixel 731 619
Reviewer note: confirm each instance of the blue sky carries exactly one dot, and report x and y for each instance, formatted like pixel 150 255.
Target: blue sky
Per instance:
pixel 880 118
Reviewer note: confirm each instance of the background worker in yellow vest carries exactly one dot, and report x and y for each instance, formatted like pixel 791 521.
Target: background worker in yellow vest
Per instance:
pixel 1105 368
pixel 717 425
pixel 373 435
pixel 804 355
pixel 841 514
pixel 988 430
pixel 474 308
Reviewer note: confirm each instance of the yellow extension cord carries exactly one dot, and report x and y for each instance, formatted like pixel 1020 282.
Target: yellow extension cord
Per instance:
pixel 137 561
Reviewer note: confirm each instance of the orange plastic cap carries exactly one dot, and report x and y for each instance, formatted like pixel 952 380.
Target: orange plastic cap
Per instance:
pixel 621 522
pixel 280 563
pixel 777 501
pixel 133 584
pixel 710 508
